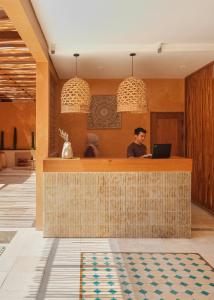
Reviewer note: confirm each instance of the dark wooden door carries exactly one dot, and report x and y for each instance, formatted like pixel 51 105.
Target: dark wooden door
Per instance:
pixel 168 128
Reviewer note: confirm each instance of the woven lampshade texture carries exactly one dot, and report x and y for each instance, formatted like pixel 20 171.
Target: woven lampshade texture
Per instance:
pixel 75 96
pixel 131 96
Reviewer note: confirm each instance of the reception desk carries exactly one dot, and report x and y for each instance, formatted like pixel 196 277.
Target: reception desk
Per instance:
pixel 130 198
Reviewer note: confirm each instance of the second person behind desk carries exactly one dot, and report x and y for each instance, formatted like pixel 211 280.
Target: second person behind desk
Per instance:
pixel 92 145
pixel 137 148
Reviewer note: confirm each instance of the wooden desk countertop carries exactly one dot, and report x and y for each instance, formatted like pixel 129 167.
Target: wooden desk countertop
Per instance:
pixel 117 165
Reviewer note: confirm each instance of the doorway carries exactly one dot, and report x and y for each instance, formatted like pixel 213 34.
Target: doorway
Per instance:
pixel 168 128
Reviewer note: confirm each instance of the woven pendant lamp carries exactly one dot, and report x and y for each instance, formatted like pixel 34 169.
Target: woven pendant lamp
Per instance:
pixel 131 94
pixel 75 96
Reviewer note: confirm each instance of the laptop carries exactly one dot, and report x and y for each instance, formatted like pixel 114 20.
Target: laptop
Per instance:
pixel 161 150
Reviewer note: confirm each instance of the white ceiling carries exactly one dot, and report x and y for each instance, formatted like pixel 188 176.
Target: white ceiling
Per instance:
pixel 104 32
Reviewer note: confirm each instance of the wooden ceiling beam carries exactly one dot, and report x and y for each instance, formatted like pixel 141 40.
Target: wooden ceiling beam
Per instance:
pixel 16 91
pixel 18 100
pixel 14 88
pixel 9 35
pixel 26 54
pixel 19 83
pixel 13 73
pixel 17 43
pixel 23 17
pixel 17 68
pixel 19 80
pixel 17 58
pixel 15 85
pixel 13 81
pixel 19 47
pixel 26 79
pixel 16 74
pixel 3 15
pixel 14 51
pixel 6 25
pixel 30 63
pixel 31 78
pixel 9 44
pixel 16 62
pixel 13 96
pixel 16 97
pixel 18 71
pixel 16 94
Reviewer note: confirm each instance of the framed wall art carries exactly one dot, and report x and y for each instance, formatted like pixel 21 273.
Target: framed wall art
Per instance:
pixel 103 113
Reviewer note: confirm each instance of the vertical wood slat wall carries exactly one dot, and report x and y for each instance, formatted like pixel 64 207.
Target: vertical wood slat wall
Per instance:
pixel 200 134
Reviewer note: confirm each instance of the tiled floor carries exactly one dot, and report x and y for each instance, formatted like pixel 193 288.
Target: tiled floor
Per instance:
pixel 132 275
pixel 201 219
pixel 35 268
pixel 32 267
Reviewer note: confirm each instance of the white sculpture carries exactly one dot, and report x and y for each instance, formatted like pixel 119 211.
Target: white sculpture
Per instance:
pixel 66 150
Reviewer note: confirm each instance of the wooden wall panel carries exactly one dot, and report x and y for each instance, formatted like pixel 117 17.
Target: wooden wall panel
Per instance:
pixel 200 134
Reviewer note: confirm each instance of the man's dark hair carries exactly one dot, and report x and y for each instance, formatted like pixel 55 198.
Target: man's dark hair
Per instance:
pixel 138 130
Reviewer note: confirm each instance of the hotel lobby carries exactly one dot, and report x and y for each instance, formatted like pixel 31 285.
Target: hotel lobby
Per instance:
pixel 81 217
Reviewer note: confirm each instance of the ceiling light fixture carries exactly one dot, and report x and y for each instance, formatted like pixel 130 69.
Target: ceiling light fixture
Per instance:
pixel 131 94
pixel 52 49
pixel 160 48
pixel 75 96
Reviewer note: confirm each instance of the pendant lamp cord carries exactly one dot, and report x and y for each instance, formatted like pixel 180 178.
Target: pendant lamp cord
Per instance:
pixel 76 55
pixel 76 66
pixel 132 55
pixel 132 66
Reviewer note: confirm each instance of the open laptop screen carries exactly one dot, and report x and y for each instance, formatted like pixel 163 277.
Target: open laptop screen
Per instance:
pixel 161 150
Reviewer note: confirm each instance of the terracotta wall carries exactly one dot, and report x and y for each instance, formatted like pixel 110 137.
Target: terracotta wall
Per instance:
pixel 164 95
pixel 21 115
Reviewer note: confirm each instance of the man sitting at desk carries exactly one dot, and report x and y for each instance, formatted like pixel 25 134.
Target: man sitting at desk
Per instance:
pixel 137 148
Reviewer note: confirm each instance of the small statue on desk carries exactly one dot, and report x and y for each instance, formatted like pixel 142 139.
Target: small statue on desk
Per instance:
pixel 66 150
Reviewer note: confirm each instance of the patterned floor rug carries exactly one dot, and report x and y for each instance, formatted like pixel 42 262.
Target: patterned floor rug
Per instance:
pixel 149 276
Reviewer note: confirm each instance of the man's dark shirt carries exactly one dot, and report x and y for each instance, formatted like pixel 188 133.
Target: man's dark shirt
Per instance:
pixel 135 150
